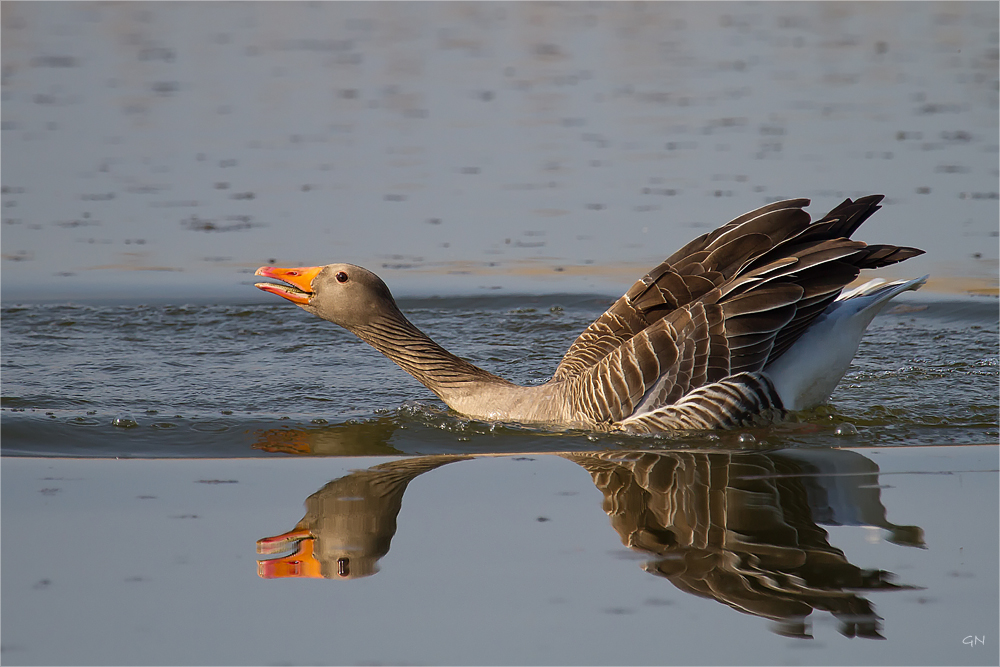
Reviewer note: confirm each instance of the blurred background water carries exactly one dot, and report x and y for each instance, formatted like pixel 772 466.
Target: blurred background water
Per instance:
pixel 168 149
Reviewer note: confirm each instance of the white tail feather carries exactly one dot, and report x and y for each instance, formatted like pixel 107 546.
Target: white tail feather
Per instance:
pixel 810 370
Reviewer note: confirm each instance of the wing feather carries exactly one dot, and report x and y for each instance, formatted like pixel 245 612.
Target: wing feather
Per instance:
pixel 728 303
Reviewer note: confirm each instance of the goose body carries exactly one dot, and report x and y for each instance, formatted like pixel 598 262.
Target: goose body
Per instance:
pixel 737 327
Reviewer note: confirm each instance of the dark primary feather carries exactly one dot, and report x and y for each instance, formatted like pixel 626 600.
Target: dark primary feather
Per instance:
pixel 743 292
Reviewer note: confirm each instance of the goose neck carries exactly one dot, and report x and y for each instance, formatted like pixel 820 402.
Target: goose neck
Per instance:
pixel 416 353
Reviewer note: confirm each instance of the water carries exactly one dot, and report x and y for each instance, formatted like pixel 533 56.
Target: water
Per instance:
pixel 203 380
pixel 794 556
pixel 157 457
pixel 172 148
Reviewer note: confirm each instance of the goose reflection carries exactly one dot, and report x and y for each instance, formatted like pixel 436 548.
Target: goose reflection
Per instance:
pixel 741 528
pixel 348 524
pixel 738 527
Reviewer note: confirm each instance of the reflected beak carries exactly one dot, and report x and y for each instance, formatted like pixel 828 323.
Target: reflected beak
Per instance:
pixel 301 563
pixel 298 282
pixel 283 542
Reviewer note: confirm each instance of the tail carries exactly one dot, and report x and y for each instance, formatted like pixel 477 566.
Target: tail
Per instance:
pixel 882 290
pixel 810 370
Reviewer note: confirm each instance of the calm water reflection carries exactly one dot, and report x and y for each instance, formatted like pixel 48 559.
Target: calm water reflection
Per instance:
pixel 348 525
pixel 742 528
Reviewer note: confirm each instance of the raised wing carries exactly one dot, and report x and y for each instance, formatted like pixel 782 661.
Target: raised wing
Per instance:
pixel 686 344
pixel 770 269
pixel 688 274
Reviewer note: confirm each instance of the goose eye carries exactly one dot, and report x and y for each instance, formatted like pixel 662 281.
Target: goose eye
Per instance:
pixel 341 277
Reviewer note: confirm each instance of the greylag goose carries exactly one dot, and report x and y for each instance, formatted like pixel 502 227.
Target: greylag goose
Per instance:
pixel 734 329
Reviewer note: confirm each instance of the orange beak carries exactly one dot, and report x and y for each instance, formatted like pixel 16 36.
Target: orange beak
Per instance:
pixel 298 287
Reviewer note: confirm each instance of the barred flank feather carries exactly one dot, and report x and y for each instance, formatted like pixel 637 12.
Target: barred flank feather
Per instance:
pixel 745 399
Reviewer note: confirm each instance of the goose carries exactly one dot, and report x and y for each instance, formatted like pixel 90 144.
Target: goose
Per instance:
pixel 737 328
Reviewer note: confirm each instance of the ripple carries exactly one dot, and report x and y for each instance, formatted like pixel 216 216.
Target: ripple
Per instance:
pixel 210 427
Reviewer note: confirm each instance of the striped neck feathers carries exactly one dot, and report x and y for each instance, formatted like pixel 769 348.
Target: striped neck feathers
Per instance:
pixel 435 367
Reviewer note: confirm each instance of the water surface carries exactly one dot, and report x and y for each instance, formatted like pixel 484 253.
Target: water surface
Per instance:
pixel 800 556
pixel 253 380
pixel 172 148
pixel 158 458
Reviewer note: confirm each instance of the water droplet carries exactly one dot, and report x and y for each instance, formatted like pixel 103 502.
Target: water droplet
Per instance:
pixel 124 421
pixel 747 438
pixel 845 429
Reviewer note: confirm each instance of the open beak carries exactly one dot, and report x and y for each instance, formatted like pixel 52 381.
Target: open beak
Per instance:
pixel 298 282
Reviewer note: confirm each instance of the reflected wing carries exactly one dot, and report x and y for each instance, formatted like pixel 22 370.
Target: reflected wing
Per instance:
pixel 737 528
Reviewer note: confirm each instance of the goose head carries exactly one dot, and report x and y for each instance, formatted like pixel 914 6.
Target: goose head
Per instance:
pixel 344 294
